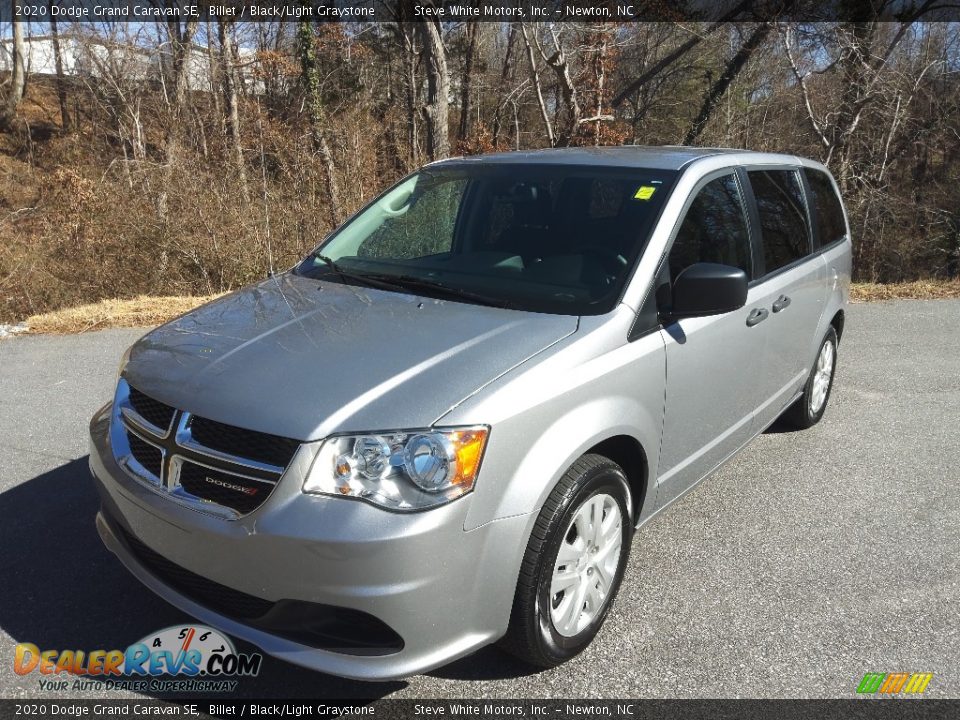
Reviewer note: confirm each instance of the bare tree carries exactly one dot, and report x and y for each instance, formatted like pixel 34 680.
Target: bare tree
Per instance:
pixel 317 114
pixel 58 67
pixel 729 74
pixel 474 33
pixel 18 77
pixel 682 49
pixel 180 38
pixel 113 70
pixel 229 87
pixel 436 110
pixel 538 87
pixel 505 72
pixel 570 104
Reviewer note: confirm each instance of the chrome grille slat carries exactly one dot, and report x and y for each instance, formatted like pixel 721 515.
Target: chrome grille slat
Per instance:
pixel 141 423
pixel 225 484
pixel 156 416
pixel 127 457
pixel 185 440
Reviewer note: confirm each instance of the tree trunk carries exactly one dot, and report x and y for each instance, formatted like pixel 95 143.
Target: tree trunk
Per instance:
pixel 228 75
pixel 18 79
pixel 436 111
pixel 317 114
pixel 58 65
pixel 535 77
pixel 466 89
pixel 215 70
pixel 406 35
pixel 504 75
pixel 601 77
pixel 181 47
pixel 568 92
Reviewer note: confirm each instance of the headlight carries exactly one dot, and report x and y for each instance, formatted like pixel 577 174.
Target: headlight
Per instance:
pixel 400 470
pixel 125 358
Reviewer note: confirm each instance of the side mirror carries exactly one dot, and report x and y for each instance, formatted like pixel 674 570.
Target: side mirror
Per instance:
pixel 708 289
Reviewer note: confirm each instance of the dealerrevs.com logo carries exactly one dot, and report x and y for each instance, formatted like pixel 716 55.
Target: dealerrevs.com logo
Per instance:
pixel 191 658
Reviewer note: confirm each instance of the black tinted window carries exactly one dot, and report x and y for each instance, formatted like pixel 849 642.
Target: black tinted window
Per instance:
pixel 830 224
pixel 783 216
pixel 714 229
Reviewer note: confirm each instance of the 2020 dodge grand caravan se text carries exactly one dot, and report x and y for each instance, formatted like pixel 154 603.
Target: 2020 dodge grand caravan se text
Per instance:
pixel 442 427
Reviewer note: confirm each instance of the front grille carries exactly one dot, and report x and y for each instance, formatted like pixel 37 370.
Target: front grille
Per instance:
pixel 215 596
pixel 153 411
pixel 262 447
pixel 146 454
pixel 202 461
pixel 242 494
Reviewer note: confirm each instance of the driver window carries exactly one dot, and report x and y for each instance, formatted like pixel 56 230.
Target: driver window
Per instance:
pixel 714 229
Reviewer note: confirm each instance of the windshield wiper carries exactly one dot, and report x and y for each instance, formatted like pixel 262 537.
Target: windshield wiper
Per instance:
pixel 383 283
pixel 407 283
pixel 411 282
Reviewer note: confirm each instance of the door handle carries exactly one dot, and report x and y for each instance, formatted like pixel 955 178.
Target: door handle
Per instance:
pixel 757 315
pixel 781 303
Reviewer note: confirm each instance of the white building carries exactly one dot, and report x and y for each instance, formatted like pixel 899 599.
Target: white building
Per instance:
pixel 93 56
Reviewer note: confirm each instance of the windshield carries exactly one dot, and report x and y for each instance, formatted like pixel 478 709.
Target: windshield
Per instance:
pixel 547 238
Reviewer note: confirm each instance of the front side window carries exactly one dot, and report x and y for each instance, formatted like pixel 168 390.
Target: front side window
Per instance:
pixel 714 229
pixel 547 238
pixel 831 225
pixel 783 217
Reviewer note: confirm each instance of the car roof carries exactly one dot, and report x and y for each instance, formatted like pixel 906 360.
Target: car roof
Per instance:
pixel 670 157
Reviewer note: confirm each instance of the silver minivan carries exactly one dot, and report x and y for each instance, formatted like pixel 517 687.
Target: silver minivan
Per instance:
pixel 442 427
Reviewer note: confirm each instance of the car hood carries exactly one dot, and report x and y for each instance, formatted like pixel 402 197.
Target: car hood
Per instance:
pixel 303 358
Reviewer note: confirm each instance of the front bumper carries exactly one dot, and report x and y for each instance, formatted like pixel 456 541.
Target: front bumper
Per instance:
pixel 445 591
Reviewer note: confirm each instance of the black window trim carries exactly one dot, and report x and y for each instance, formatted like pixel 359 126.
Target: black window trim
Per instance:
pixel 812 213
pixel 757 239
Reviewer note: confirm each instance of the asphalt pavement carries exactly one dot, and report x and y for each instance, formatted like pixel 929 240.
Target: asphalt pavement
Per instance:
pixel 809 559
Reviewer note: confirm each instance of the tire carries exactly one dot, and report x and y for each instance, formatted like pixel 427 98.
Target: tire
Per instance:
pixel 809 407
pixel 547 629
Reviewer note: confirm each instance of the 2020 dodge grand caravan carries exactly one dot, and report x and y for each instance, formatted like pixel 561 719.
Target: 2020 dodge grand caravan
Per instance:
pixel 442 427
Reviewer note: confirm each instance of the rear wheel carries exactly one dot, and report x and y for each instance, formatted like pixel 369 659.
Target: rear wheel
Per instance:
pixel 573 564
pixel 809 408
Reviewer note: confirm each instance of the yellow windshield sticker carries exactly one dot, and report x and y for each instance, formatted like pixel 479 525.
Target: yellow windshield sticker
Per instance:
pixel 645 192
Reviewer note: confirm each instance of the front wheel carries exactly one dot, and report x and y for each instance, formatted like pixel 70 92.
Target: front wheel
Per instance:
pixel 809 408
pixel 573 565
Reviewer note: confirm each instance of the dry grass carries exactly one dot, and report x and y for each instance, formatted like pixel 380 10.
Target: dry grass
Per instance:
pixel 147 311
pixel 142 311
pixel 917 290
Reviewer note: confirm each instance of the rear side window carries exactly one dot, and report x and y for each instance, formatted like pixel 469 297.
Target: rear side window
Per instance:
pixel 783 217
pixel 830 223
pixel 714 229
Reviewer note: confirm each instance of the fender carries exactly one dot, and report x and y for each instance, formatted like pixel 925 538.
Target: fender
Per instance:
pixel 587 389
